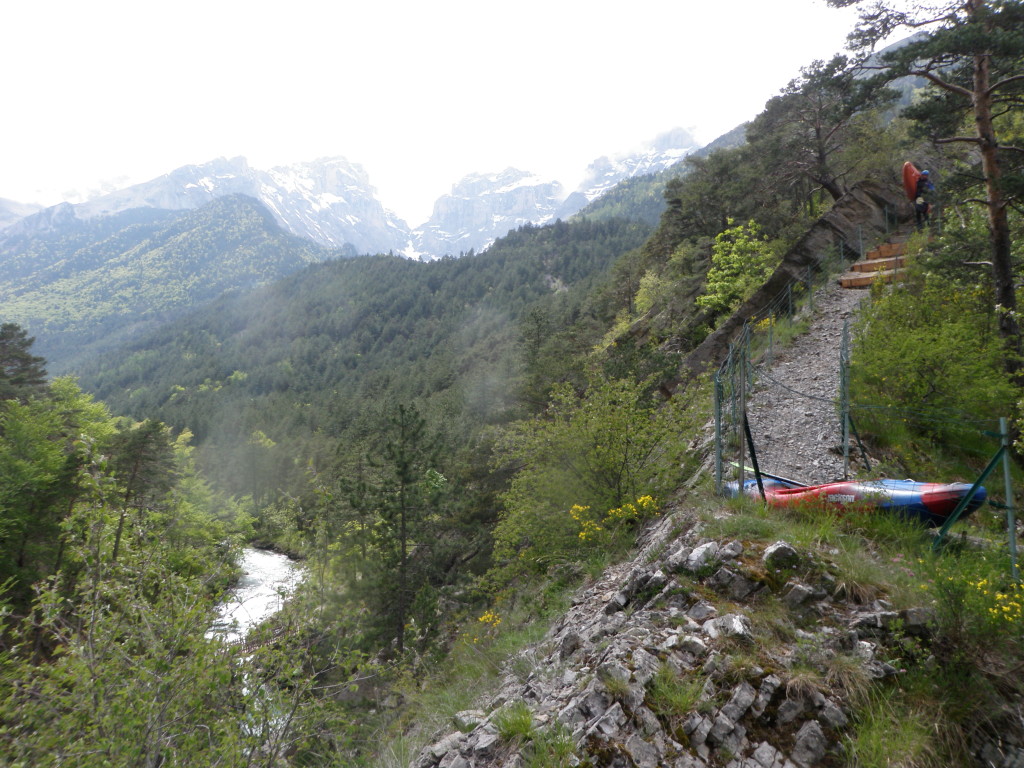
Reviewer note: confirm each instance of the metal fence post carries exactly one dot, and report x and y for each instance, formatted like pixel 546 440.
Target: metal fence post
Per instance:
pixel 1011 519
pixel 746 363
pixel 844 397
pixel 742 435
pixel 718 432
pixel 810 290
pixel 732 383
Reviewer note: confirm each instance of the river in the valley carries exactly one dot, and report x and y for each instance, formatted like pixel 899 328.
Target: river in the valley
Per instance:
pixel 268 579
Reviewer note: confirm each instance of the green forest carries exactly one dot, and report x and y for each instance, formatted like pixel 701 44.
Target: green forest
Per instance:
pixel 450 448
pixel 95 284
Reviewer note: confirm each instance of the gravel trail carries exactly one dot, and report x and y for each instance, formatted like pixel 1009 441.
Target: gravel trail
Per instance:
pixel 793 408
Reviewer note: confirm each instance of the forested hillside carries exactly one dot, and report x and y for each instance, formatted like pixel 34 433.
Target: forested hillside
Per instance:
pixel 454 447
pixel 88 286
pixel 312 358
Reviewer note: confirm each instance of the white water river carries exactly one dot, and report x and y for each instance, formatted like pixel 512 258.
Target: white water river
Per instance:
pixel 268 579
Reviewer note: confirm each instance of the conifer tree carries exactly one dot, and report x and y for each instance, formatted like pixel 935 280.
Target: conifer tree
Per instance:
pixel 972 53
pixel 807 127
pixel 143 462
pixel 401 493
pixel 21 372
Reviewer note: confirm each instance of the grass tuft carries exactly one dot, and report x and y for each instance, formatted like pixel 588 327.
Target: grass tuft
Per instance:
pixel 515 723
pixel 673 696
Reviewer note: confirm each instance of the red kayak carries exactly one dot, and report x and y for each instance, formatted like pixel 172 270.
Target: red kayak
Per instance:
pixel 910 177
pixel 931 503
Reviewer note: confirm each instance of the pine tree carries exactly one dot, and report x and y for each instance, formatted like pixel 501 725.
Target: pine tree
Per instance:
pixel 402 495
pixel 21 372
pixel 143 462
pixel 973 56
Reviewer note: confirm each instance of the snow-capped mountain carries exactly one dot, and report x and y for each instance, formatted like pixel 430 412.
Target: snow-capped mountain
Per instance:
pixel 664 152
pixel 331 201
pixel 484 207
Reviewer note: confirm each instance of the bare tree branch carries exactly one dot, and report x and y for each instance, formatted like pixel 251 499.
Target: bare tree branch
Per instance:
pixel 958 140
pixel 945 85
pixel 1003 83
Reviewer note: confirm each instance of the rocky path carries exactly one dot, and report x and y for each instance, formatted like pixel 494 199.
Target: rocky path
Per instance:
pixel 793 410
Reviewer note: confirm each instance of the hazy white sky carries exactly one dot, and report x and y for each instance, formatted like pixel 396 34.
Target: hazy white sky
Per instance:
pixel 419 93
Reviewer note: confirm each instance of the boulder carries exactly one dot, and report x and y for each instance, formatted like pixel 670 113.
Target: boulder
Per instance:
pixel 702 556
pixel 570 643
pixel 702 611
pixel 677 560
pixel 811 745
pixel 730 625
pixel 779 556
pixel 731 551
pixel 733 584
pixel 795 595
pixel 743 696
pixel 645 666
pixel 610 724
pixel 642 752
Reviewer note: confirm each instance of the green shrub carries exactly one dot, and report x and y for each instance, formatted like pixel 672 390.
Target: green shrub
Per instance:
pixel 936 349
pixel 592 458
pixel 742 258
pixel 889 732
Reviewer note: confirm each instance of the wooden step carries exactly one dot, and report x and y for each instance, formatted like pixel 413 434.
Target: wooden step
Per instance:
pixel 876 265
pixel 887 250
pixel 864 279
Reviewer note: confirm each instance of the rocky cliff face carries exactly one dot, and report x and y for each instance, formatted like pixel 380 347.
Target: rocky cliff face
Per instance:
pixel 332 203
pixel 593 673
pixel 41 222
pixel 684 609
pixel 483 207
pixel 10 211
pixel 665 151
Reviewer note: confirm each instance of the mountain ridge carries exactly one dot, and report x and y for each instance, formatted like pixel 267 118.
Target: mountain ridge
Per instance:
pixel 99 282
pixel 331 202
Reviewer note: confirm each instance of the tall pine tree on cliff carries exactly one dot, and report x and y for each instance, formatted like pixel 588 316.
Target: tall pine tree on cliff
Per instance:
pixel 972 54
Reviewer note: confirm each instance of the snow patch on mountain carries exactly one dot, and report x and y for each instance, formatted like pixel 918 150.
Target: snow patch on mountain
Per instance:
pixel 329 201
pixel 483 207
pixel 662 153
pixel 332 202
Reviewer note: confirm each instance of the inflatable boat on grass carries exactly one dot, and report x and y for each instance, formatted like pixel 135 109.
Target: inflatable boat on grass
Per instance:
pixel 930 503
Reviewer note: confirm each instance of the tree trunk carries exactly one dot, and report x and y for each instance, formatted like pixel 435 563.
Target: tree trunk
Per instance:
pixel 403 574
pixel 998 223
pixel 833 188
